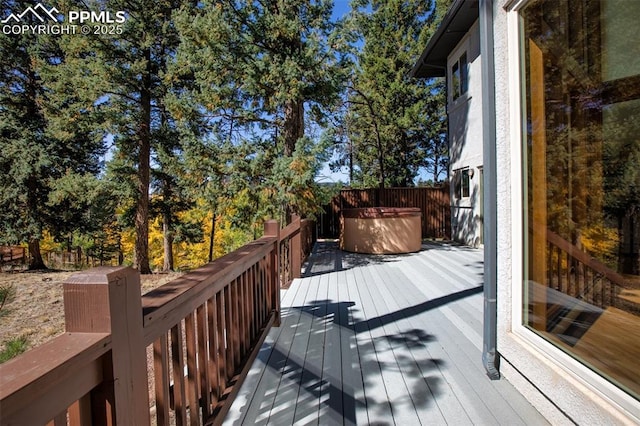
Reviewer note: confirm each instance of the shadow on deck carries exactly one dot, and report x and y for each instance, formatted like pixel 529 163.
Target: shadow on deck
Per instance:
pixel 380 340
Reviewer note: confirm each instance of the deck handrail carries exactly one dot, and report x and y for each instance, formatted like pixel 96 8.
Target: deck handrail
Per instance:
pixel 578 284
pixel 174 300
pixel 205 328
pixel 73 369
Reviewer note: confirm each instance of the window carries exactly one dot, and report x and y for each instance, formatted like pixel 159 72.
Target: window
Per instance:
pixel 581 153
pixel 462 183
pixel 459 77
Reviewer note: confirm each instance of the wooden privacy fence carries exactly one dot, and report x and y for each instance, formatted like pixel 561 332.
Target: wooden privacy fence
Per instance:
pixel 13 255
pixel 433 202
pixel 76 260
pixel 200 333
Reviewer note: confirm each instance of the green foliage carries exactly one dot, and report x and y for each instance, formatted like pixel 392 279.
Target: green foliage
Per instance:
pixel 293 179
pixel 84 204
pixel 255 57
pixel 24 144
pixel 44 134
pixel 259 68
pixel 13 348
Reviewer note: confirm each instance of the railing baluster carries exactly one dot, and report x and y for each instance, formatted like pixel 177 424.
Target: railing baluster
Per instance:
pixel 590 284
pixel 192 372
pixel 551 283
pixel 235 330
pixel 612 295
pixel 213 350
pixel 259 298
pixel 263 291
pixel 254 303
pixel 242 316
pixel 563 283
pixel 228 313
pixel 267 288
pixel 60 419
pixel 203 360
pixel 162 383
pixel 246 338
pixel 221 342
pixel 78 414
pixel 570 282
pixel 177 362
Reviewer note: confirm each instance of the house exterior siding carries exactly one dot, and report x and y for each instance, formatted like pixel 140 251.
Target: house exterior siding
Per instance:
pixel 465 143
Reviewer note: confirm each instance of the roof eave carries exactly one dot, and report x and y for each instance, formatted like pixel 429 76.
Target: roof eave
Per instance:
pixel 455 24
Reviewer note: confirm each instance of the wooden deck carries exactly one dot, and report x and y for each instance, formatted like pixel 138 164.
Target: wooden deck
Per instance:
pixel 380 340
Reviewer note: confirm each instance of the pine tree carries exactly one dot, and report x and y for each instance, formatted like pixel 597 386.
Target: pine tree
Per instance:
pixel 394 121
pixel 130 69
pixel 44 136
pixel 25 156
pixel 261 65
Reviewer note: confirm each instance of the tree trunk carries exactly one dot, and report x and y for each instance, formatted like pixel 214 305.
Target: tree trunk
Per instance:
pixel 379 144
pixel 79 256
pixel 119 250
pixel 293 125
pixel 380 155
pixel 168 243
pixel 212 236
pixel 141 258
pixel 293 131
pixel 350 162
pixel 35 257
pixel 167 225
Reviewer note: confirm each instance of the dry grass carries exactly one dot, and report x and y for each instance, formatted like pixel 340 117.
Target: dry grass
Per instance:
pixel 35 310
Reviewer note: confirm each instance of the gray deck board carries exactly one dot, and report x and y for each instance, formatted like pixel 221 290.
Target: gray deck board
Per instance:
pixel 395 389
pixel 355 377
pixel 380 340
pixel 428 389
pixel 401 338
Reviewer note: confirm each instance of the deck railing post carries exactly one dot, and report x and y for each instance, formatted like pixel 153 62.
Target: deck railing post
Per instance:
pixel 107 300
pixel 272 229
pixel 295 256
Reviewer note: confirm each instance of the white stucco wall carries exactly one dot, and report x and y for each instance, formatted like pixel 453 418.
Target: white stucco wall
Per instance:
pixel 465 136
pixel 530 363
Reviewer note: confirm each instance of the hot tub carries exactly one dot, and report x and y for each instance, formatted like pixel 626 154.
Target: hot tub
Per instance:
pixel 381 230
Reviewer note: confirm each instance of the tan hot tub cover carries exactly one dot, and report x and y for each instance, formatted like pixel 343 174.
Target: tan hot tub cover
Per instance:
pixel 381 230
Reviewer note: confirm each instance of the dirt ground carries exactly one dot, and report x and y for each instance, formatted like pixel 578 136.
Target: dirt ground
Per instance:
pixel 36 309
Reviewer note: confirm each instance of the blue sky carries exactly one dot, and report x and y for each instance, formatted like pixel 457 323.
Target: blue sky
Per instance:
pixel 340 8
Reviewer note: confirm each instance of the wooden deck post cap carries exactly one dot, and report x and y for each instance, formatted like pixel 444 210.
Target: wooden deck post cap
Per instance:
pixel 86 297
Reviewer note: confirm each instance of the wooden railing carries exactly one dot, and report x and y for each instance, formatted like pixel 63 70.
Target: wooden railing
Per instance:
pixel 573 272
pixel 178 354
pixel 290 252
pixel 308 237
